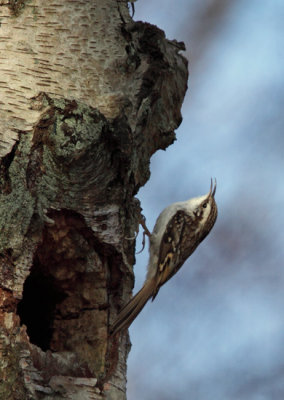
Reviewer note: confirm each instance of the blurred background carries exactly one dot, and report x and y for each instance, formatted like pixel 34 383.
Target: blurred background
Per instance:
pixel 216 330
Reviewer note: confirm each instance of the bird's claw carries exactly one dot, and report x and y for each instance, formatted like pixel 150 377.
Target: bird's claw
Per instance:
pixel 146 231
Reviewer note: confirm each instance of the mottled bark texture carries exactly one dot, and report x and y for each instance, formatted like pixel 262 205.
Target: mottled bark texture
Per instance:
pixel 86 97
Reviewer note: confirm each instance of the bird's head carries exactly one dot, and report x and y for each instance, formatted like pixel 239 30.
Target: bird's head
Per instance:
pixel 204 209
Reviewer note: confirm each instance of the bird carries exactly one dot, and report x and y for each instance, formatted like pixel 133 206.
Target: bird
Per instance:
pixel 178 231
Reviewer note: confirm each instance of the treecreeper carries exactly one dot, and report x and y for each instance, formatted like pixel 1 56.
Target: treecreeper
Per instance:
pixel 178 231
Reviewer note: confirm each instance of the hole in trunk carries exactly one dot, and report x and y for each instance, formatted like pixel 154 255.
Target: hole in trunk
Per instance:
pixel 65 303
pixel 37 308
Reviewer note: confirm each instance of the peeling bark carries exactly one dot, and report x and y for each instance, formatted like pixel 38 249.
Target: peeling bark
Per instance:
pixel 86 97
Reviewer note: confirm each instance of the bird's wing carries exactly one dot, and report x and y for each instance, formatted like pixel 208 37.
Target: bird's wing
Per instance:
pixel 176 246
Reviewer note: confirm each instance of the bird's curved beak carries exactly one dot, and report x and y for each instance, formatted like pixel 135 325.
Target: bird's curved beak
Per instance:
pixel 213 188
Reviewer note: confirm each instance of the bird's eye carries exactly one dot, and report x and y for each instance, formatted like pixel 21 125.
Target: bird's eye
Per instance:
pixel 204 205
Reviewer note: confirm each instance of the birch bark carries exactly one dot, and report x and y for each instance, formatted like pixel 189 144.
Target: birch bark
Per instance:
pixel 86 97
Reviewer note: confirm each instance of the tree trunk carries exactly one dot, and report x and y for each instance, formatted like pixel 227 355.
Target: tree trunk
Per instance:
pixel 86 97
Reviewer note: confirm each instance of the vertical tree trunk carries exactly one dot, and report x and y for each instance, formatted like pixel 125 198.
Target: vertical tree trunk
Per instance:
pixel 86 97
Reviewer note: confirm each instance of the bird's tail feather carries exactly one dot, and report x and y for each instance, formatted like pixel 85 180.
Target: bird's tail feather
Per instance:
pixel 130 311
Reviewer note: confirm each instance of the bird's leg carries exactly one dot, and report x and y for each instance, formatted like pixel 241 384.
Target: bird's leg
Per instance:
pixel 146 231
pixel 142 222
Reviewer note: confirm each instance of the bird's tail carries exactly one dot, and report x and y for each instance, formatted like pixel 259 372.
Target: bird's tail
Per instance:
pixel 130 311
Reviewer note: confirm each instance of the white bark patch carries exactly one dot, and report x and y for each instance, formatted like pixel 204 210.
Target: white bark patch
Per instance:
pixel 75 59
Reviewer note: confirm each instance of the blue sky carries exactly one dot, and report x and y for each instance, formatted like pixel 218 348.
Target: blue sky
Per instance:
pixel 216 330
